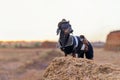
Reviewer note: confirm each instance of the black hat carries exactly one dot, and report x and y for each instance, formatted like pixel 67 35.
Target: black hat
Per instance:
pixel 64 20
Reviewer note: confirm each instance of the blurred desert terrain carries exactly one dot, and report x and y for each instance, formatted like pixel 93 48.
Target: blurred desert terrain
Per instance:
pixel 29 64
pixel 23 60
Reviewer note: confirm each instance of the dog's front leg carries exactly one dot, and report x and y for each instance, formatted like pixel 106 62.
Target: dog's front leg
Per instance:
pixel 73 54
pixel 65 54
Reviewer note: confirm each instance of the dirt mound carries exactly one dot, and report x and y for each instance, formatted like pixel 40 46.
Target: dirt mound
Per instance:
pixel 69 68
pixel 113 41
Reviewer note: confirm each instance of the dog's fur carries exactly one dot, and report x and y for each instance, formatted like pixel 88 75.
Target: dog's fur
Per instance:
pixel 71 49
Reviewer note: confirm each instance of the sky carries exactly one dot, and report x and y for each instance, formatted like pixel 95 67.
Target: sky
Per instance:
pixel 38 19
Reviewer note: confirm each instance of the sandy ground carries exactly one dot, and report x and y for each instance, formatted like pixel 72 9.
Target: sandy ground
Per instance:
pixel 102 56
pixel 28 64
pixel 69 68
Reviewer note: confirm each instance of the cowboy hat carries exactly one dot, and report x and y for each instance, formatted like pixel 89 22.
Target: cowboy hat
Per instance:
pixel 64 20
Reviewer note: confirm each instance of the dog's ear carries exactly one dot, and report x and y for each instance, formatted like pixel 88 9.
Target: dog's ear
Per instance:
pixel 82 36
pixel 58 31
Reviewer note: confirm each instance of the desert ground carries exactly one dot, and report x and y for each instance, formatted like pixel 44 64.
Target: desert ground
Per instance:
pixel 29 64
